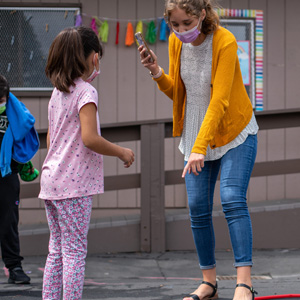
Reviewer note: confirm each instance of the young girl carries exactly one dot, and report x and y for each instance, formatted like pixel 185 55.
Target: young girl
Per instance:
pixel 214 117
pixel 73 169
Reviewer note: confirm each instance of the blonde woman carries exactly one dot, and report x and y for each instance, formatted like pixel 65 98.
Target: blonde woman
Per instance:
pixel 214 117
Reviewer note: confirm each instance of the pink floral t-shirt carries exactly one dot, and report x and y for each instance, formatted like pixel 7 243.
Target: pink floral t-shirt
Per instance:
pixel 70 168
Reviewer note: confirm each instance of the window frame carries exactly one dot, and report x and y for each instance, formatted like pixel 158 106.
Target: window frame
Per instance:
pixel 31 92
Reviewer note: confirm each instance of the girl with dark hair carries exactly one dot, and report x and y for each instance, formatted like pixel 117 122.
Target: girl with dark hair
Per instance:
pixel 73 168
pixel 214 117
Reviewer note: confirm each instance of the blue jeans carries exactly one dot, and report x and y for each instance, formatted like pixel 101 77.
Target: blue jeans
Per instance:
pixel 236 167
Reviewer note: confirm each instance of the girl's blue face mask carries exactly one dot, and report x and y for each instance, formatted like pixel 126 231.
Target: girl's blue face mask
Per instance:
pixel 2 108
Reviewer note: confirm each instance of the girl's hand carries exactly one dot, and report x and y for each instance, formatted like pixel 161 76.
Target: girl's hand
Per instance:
pixel 194 164
pixel 127 157
pixel 153 67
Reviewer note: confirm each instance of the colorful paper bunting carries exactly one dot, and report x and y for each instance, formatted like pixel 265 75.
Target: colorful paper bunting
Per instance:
pixel 139 28
pixel 117 33
pixel 93 26
pixel 78 21
pixel 151 33
pixel 163 30
pixel 103 32
pixel 98 22
pixel 129 39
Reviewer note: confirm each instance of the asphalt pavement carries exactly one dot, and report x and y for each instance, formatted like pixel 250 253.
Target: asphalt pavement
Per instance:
pixel 164 276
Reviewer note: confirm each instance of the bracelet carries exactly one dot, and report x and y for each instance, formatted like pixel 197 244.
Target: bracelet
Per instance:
pixel 156 75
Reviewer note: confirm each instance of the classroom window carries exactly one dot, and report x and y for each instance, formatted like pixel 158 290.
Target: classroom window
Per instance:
pixel 26 34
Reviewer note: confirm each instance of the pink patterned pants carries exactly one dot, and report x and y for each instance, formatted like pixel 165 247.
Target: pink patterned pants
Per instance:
pixel 65 266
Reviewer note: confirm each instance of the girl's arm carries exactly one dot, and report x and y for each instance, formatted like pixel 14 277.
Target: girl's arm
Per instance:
pixel 97 143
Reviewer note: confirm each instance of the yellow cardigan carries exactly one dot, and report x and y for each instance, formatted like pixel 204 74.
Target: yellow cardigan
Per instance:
pixel 230 109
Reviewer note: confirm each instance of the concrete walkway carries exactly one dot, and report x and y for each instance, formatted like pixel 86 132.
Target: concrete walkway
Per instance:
pixel 166 276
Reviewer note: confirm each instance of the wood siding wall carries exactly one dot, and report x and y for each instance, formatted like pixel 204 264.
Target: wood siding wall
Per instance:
pixel 127 93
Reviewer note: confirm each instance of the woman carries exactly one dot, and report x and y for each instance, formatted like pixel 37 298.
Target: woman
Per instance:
pixel 214 117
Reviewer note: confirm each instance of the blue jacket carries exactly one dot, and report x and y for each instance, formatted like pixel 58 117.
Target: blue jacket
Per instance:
pixel 20 141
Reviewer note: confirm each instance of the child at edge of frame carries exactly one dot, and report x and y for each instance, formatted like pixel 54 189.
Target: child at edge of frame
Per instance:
pixel 19 142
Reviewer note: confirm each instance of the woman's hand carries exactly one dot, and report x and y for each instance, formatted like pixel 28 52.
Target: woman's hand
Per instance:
pixel 194 164
pixel 152 66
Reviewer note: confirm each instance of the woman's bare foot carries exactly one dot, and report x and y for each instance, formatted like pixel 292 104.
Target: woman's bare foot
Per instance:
pixel 243 293
pixel 243 278
pixel 204 291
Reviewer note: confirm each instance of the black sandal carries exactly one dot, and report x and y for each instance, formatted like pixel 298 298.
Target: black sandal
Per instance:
pixel 214 294
pixel 248 287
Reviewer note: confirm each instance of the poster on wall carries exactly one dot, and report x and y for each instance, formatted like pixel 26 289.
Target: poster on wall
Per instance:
pixel 243 30
pixel 247 27
pixel 244 59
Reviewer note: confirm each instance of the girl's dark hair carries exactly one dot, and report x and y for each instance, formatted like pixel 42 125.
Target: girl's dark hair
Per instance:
pixel 4 87
pixel 67 56
pixel 194 8
pixel 90 41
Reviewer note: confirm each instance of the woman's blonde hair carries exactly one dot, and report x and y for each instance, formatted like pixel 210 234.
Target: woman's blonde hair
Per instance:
pixel 194 8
